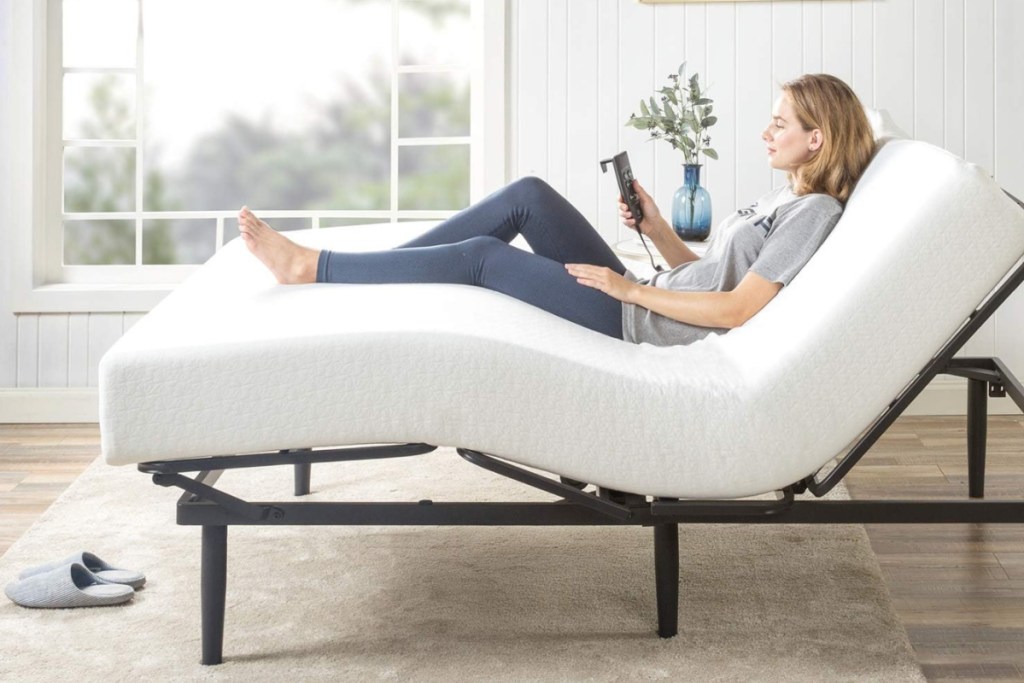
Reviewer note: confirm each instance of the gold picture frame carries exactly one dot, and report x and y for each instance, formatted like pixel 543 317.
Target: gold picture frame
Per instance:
pixel 678 2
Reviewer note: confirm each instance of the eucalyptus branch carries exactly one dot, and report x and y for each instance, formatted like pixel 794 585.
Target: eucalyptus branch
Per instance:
pixel 682 118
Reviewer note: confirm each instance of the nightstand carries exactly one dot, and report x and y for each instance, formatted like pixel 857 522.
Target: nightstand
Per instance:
pixel 634 257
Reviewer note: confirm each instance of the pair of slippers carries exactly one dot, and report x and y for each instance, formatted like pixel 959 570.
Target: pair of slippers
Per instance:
pixel 82 580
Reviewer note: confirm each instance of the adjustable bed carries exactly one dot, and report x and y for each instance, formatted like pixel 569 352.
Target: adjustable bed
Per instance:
pixel 232 370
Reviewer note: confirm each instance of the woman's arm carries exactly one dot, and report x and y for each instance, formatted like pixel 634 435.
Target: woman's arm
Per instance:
pixel 709 309
pixel 704 309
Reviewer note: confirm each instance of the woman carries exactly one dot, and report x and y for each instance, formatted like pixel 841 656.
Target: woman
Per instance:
pixel 818 134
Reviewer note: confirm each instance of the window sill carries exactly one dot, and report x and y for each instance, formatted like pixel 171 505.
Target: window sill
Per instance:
pixel 91 298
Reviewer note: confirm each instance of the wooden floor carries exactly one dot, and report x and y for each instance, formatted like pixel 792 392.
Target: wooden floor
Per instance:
pixel 959 589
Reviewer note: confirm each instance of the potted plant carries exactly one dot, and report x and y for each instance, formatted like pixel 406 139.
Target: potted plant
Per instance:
pixel 683 117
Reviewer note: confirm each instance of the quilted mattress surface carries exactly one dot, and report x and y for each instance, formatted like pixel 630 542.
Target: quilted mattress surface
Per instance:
pixel 233 363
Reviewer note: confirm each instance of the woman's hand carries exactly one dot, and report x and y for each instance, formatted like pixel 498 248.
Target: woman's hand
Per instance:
pixel 647 207
pixel 605 279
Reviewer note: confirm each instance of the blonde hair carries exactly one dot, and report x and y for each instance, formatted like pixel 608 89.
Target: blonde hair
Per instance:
pixel 825 102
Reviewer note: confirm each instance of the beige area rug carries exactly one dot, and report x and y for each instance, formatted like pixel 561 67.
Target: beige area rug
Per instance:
pixel 773 603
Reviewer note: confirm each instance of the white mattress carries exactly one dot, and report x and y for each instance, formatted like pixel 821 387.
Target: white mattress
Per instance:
pixel 232 363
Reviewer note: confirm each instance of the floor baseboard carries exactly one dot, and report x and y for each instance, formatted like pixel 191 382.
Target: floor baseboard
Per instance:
pixel 948 396
pixel 944 396
pixel 49 405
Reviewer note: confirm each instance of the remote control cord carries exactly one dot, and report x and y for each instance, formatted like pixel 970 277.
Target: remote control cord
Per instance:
pixel 657 268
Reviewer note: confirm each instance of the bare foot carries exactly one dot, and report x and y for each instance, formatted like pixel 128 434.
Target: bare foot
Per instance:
pixel 291 264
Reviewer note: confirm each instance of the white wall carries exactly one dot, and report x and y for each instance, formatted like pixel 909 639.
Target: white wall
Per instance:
pixel 950 72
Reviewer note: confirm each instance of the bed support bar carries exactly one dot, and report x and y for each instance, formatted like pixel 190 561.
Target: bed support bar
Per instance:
pixel 204 505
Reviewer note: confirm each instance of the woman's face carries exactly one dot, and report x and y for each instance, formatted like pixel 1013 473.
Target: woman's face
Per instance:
pixel 789 145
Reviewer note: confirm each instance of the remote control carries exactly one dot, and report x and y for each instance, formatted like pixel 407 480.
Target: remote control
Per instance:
pixel 624 176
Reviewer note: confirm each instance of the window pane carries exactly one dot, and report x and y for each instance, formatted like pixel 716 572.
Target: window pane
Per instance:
pixel 99 179
pixel 178 241
pixel 431 105
pixel 345 222
pixel 99 106
pixel 432 32
pixel 295 103
pixel 100 33
pixel 433 177
pixel 279 224
pixel 99 243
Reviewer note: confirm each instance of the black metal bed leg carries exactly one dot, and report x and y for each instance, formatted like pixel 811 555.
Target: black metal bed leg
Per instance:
pixel 214 586
pixel 303 470
pixel 977 433
pixel 666 577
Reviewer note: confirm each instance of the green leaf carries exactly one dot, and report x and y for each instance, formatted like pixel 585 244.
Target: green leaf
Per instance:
pixel 682 71
pixel 643 108
pixel 688 143
pixel 709 121
pixel 711 154
pixel 704 100
pixel 654 107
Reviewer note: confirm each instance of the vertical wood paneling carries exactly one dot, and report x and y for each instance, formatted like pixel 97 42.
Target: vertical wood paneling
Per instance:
pixel 928 71
pixel 863 32
pixel 787 54
pixel 721 77
pixel 894 64
pixel 53 350
pixel 1009 161
pixel 557 94
pixel 787 42
pixel 28 351
pixel 609 128
pixel 695 30
pixel 1009 95
pixel 8 321
pixel 532 107
pixel 582 108
pixel 979 115
pixel 812 42
pixel 8 350
pixel 78 349
pixel 636 81
pixel 104 330
pixel 837 39
pixel 669 51
pixel 513 76
pixel 953 70
pixel 754 81
pixel 979 86
pixel 696 42
pixel 130 319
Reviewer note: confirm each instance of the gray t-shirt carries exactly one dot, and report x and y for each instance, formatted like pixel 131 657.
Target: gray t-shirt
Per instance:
pixel 774 238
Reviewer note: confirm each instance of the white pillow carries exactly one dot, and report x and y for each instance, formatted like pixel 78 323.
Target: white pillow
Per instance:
pixel 883 127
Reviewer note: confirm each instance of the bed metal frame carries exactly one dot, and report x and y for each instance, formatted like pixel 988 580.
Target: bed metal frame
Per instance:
pixel 215 510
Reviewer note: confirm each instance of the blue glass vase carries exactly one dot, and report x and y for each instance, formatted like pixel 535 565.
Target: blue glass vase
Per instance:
pixel 691 207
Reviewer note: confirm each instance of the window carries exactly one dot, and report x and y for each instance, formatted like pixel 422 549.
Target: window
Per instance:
pixel 165 116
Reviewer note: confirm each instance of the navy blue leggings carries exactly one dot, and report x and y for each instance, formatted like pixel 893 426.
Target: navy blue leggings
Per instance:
pixel 472 248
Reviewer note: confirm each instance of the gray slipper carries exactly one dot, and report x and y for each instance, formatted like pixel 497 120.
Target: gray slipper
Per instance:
pixel 94 564
pixel 69 586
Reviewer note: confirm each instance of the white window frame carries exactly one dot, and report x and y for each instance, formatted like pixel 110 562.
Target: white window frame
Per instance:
pixel 32 134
